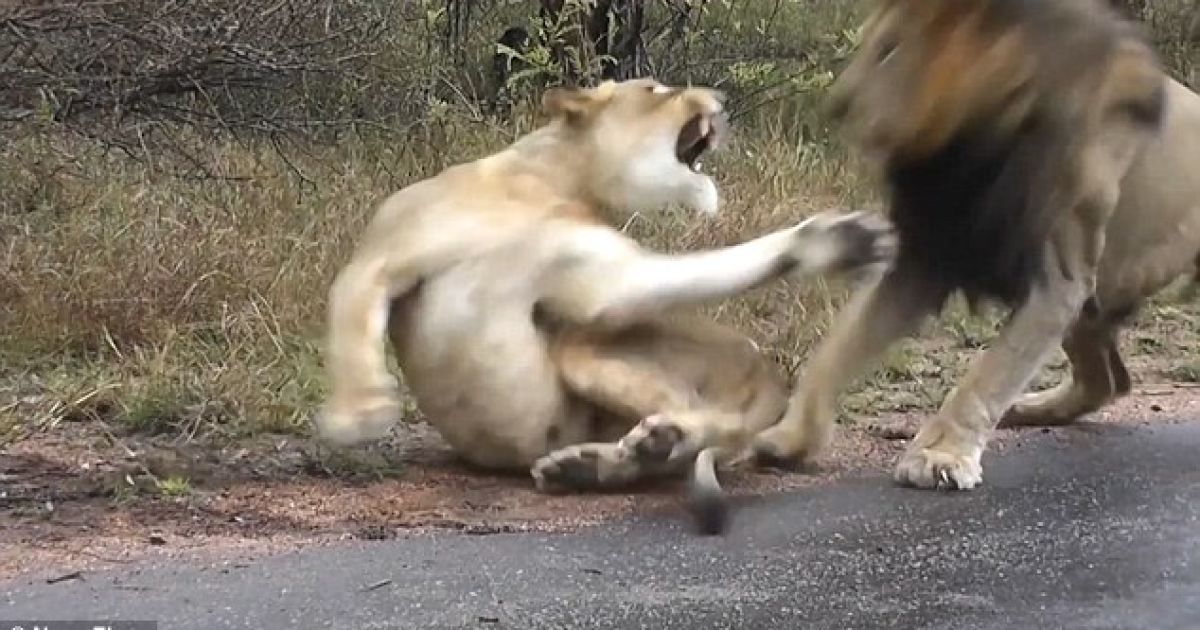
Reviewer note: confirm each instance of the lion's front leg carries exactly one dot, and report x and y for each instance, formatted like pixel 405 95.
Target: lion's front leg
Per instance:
pixel 603 279
pixel 946 452
pixel 876 317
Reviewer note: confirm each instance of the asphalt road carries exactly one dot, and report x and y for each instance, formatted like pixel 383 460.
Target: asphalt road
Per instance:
pixel 1089 528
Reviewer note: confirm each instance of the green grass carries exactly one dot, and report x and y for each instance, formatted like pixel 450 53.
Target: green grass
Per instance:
pixel 174 487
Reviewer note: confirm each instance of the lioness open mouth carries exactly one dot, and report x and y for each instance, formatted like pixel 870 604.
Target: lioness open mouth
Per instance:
pixel 698 135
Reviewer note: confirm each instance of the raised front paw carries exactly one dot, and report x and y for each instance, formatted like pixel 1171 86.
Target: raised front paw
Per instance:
pixel 940 467
pixel 830 242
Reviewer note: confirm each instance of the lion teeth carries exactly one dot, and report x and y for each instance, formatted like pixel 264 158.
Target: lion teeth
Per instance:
pixel 698 166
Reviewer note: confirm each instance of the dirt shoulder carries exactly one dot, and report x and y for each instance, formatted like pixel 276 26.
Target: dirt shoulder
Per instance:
pixel 76 499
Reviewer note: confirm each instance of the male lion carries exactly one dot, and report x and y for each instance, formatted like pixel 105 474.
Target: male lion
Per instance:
pixel 1035 154
pixel 533 334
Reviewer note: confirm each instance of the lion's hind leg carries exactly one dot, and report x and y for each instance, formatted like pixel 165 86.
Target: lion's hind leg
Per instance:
pixel 674 396
pixel 588 466
pixel 667 392
pixel 621 386
pixel 1098 376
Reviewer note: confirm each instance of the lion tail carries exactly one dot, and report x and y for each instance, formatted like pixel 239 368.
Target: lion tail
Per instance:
pixel 707 500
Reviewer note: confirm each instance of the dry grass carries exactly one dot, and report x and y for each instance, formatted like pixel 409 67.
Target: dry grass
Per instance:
pixel 193 307
pixel 196 306
pixel 178 299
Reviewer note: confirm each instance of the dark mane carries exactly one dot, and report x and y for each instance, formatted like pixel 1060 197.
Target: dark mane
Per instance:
pixel 976 215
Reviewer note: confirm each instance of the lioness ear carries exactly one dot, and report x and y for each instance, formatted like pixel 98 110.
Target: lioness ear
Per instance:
pixel 572 104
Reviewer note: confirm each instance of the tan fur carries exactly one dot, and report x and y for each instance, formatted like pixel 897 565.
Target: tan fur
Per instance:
pixel 1122 212
pixel 533 334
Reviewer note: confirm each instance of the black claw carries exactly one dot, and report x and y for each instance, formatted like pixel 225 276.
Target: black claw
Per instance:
pixel 945 481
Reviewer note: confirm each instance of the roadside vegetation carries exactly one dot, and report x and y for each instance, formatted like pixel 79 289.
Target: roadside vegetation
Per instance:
pixel 180 180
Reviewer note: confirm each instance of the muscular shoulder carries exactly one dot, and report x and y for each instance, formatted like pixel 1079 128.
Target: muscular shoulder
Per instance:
pixel 571 246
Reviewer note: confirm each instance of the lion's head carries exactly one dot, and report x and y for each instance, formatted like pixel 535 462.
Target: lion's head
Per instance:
pixel 645 141
pixel 978 113
pixel 929 71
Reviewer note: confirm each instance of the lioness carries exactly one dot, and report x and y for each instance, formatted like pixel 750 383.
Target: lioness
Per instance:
pixel 1036 154
pixel 533 334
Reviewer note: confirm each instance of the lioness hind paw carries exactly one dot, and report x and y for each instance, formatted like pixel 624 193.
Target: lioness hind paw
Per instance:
pixel 583 467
